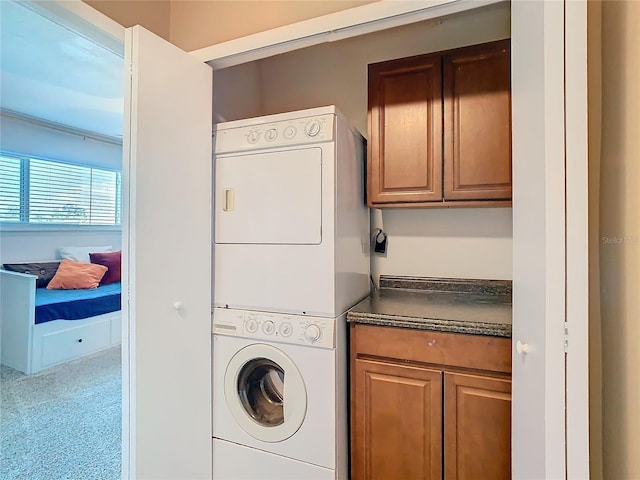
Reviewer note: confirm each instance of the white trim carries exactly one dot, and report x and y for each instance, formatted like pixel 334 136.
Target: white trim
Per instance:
pixel 553 202
pixel 348 23
pixel 577 239
pixel 59 127
pixel 84 20
pixel 6 227
pixel 128 267
pixel 537 62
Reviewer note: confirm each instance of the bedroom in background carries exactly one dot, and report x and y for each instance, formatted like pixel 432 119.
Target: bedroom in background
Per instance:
pixel 60 197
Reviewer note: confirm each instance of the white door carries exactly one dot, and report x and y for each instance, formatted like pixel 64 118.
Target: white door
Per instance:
pixel 167 260
pixel 550 429
pixel 269 198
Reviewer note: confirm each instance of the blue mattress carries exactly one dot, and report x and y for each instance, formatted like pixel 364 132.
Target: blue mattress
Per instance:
pixel 76 304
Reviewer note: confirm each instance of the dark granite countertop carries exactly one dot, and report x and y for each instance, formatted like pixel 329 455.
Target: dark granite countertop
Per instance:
pixel 480 307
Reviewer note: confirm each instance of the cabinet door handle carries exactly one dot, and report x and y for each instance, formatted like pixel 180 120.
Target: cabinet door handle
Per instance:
pixel 522 348
pixel 228 200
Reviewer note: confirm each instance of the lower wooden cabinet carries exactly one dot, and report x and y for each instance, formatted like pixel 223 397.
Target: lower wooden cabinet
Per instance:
pixel 418 411
pixel 397 421
pixel 477 427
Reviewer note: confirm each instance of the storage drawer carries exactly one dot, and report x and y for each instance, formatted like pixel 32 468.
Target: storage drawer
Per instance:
pixel 75 342
pixel 449 349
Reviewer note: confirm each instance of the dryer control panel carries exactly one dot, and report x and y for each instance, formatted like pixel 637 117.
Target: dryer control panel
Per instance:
pixel 275 327
pixel 307 130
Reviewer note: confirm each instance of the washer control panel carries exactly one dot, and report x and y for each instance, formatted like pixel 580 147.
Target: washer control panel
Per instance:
pixel 276 327
pixel 306 130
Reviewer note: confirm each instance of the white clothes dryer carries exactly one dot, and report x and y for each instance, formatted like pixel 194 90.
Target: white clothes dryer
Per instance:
pixel 291 227
pixel 279 396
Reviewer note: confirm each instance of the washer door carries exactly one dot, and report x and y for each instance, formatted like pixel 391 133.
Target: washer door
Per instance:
pixel 265 393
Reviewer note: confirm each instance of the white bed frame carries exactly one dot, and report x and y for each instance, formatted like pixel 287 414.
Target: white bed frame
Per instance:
pixel 31 348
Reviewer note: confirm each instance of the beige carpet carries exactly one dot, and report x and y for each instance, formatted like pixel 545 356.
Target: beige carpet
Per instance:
pixel 63 423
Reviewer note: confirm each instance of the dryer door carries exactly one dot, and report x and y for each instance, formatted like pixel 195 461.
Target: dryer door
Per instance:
pixel 265 393
pixel 269 198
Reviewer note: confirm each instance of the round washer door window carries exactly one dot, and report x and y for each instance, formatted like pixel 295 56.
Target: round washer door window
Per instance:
pixel 265 393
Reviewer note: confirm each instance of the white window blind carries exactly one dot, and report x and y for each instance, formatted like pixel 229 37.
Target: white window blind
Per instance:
pixel 39 191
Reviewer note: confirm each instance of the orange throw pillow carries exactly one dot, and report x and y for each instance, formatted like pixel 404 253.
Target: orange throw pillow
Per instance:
pixel 75 275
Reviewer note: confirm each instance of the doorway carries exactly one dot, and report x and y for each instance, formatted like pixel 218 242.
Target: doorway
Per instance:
pixel 62 118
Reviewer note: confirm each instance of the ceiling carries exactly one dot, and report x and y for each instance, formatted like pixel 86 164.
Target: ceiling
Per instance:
pixel 54 74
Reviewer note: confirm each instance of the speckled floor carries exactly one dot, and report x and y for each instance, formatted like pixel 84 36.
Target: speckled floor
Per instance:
pixel 63 423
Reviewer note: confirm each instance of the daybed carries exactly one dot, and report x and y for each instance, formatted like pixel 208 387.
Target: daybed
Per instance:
pixel 42 328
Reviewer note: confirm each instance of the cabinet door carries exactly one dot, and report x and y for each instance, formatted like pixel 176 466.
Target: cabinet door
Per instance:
pixel 166 262
pixel 477 427
pixel 396 422
pixel 405 131
pixel 477 123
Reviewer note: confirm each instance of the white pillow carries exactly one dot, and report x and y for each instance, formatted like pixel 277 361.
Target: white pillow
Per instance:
pixel 81 254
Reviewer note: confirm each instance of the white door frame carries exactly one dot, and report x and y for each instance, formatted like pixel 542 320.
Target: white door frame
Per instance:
pixel 549 237
pixel 538 438
pixel 577 218
pixel 550 207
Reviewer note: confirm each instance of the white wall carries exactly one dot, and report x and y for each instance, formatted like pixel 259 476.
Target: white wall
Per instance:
pixel 25 244
pixel 154 15
pixel 23 137
pixel 197 24
pixel 237 93
pixel 466 243
pixel 458 243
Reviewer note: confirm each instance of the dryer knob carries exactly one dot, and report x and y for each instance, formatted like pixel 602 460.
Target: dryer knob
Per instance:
pixel 312 128
pixel 312 333
pixel 271 134
pixel 253 137
pixel 290 132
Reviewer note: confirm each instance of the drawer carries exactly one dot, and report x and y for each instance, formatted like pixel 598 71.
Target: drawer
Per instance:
pixel 446 349
pixel 74 342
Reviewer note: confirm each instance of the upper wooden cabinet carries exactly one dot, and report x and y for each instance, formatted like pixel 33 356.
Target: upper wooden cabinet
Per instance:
pixel 440 129
pixel 405 130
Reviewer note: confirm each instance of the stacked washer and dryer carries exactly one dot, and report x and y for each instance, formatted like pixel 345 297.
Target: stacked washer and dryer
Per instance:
pixel 291 257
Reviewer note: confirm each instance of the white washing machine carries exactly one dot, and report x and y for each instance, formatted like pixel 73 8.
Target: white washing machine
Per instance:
pixel 279 396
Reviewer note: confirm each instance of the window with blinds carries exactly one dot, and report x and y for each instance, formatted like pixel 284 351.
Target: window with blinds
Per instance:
pixel 35 191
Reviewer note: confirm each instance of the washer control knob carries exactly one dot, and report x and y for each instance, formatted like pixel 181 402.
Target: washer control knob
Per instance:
pixel 312 333
pixel 268 327
pixel 312 128
pixel 285 329
pixel 251 325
